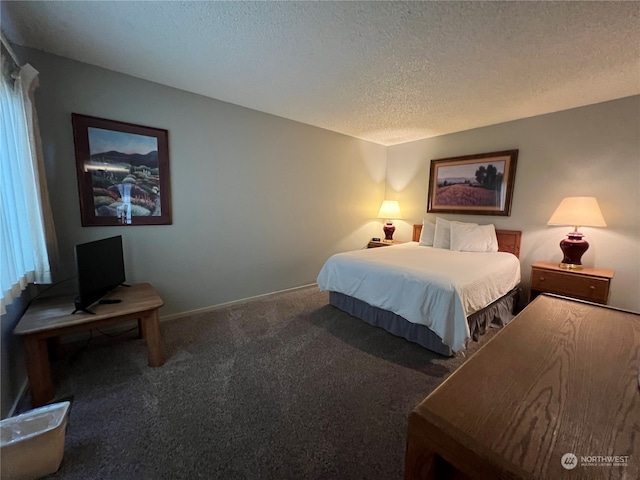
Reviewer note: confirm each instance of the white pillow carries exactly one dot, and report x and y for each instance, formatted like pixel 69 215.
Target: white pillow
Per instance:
pixel 490 230
pixel 442 235
pixel 469 237
pixel 427 234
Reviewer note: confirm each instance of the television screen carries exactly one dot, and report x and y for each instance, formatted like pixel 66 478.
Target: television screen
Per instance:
pixel 100 267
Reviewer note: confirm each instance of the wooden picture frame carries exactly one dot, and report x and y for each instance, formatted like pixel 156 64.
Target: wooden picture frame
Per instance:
pixel 123 172
pixel 480 184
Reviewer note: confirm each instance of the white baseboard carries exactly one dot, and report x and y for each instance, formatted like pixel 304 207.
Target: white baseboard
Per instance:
pixel 176 316
pixel 121 327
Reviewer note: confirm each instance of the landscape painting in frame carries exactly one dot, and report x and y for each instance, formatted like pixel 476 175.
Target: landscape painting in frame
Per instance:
pixel 479 184
pixel 123 172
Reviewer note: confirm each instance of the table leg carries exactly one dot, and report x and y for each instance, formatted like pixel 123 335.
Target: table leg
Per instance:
pixel 151 330
pixel 141 329
pixel 39 371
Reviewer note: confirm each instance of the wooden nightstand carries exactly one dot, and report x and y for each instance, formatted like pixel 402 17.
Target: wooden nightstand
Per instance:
pixel 590 284
pixel 373 244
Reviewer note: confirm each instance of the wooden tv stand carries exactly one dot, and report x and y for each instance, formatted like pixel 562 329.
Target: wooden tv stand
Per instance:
pixel 51 317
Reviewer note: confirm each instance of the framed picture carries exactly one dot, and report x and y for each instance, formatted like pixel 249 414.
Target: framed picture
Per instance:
pixel 123 172
pixel 479 184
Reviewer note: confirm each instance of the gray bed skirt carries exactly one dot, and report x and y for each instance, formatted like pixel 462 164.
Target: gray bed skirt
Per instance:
pixel 499 312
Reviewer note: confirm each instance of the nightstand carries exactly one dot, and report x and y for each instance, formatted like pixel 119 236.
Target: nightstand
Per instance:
pixel 591 284
pixel 373 244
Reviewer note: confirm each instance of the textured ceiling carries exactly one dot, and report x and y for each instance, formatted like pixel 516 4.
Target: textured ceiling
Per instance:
pixel 388 72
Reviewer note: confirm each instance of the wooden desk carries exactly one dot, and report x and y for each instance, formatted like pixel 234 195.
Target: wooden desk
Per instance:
pixel 51 317
pixel 561 378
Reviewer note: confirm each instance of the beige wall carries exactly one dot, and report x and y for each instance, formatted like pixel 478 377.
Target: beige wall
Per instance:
pixel 259 202
pixel 588 151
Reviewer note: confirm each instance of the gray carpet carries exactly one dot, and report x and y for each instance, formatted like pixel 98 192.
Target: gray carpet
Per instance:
pixel 282 387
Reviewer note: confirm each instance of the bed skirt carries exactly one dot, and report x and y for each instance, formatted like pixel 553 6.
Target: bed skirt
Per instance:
pixel 499 312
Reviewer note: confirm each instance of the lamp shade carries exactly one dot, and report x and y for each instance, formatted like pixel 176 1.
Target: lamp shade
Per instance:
pixel 390 209
pixel 578 211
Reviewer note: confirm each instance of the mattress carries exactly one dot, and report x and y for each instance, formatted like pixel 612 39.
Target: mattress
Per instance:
pixel 429 286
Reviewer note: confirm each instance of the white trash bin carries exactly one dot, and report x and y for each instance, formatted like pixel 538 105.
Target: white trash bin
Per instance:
pixel 32 443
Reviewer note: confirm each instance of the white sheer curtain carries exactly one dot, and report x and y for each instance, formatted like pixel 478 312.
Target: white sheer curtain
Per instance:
pixel 23 250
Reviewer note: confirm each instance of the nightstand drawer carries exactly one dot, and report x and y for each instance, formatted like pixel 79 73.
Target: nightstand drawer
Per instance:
pixel 594 289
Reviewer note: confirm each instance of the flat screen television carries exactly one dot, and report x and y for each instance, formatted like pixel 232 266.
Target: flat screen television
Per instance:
pixel 100 268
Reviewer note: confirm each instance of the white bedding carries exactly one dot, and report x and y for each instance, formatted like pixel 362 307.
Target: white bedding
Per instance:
pixel 430 286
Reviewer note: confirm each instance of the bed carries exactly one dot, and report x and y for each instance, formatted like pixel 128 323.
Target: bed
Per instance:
pixel 409 290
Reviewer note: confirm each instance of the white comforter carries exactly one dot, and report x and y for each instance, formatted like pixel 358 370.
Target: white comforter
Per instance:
pixel 430 286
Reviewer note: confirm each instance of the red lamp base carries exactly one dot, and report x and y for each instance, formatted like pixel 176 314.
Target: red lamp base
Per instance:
pixel 388 228
pixel 573 247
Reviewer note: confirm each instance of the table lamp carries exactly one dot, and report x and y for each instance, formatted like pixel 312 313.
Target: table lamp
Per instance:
pixel 576 211
pixel 389 210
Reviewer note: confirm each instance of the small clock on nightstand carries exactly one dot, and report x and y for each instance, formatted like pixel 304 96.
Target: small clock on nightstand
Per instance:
pixel 591 284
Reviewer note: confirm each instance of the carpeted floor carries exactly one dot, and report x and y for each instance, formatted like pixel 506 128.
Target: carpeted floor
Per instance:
pixel 282 387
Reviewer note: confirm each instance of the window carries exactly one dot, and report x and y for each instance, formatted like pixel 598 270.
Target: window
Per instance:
pixel 23 246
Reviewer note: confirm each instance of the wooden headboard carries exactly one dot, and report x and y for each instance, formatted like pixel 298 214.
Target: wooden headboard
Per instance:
pixel 508 240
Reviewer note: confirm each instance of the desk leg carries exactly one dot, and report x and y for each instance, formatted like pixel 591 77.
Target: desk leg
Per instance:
pixel 39 371
pixel 420 463
pixel 151 330
pixel 423 463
